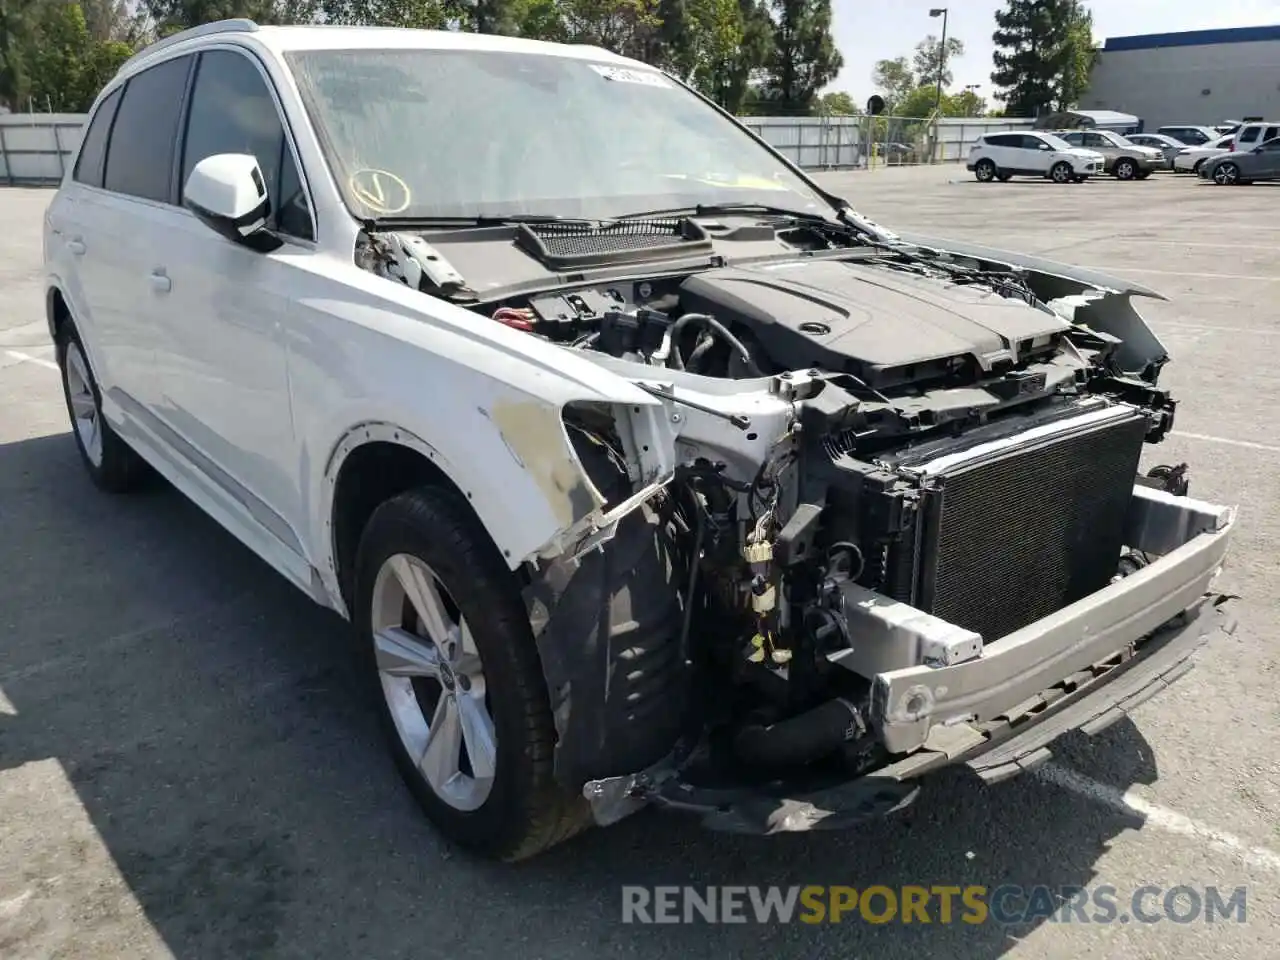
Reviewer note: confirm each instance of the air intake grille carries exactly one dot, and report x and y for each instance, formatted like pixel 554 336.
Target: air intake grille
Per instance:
pixel 1009 540
pixel 582 244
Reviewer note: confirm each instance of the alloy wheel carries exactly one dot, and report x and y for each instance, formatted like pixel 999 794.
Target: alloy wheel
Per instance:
pixel 85 416
pixel 433 681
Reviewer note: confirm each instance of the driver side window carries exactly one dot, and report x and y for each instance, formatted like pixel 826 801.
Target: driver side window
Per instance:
pixel 233 111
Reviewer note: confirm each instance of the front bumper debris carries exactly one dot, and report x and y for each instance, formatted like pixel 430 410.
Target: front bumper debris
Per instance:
pixel 1081 668
pixel 995 753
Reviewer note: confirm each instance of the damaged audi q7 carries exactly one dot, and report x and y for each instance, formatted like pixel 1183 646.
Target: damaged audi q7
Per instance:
pixel 647 470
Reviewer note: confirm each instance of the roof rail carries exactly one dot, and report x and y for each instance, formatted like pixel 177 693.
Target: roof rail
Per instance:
pixel 240 25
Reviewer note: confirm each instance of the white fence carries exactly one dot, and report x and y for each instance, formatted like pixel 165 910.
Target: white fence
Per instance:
pixel 36 147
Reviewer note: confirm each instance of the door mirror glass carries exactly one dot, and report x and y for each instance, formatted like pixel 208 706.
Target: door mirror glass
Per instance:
pixel 229 194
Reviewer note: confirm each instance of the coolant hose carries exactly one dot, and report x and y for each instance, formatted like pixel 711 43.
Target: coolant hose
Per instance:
pixel 716 327
pixel 800 739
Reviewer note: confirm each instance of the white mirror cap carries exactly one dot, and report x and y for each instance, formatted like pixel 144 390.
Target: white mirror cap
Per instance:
pixel 229 186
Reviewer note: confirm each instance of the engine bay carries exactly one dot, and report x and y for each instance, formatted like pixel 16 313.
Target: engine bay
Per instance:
pixel 958 462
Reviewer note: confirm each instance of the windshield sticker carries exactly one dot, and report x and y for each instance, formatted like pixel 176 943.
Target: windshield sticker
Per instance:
pixel 380 191
pixel 623 75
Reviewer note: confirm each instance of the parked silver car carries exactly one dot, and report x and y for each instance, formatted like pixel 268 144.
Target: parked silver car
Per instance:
pixel 1245 166
pixel 1121 157
pixel 1168 146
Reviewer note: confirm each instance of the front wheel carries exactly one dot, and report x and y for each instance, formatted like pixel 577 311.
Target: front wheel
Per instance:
pixel 1125 169
pixel 457 678
pixel 1061 172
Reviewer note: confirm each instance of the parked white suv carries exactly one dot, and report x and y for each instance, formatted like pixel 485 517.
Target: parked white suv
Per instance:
pixel 1000 156
pixel 620 441
pixel 1252 134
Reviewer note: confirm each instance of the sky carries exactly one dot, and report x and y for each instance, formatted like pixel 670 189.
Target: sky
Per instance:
pixel 871 30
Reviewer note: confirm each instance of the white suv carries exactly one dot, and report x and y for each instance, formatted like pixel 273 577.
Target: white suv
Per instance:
pixel 1251 134
pixel 613 433
pixel 999 156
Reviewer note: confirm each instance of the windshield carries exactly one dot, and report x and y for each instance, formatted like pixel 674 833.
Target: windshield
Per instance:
pixel 446 133
pixel 1056 141
pixel 1113 138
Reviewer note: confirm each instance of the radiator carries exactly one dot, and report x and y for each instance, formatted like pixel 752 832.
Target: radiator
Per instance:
pixel 1009 532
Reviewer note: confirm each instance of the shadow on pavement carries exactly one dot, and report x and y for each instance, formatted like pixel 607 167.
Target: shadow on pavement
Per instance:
pixel 211 722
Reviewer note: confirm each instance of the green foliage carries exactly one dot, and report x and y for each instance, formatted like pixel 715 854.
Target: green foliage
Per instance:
pixel 837 104
pixel 762 55
pixel 928 60
pixel 49 60
pixel 895 79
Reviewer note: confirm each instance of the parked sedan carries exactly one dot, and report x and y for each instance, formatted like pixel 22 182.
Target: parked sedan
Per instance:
pixel 1190 159
pixel 1260 163
pixel 1158 141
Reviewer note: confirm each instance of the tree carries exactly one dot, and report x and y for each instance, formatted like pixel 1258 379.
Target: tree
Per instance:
pixel 1031 52
pixel 837 104
pixel 1079 57
pixel 928 60
pixel 67 66
pixel 966 103
pixel 895 80
pixel 805 58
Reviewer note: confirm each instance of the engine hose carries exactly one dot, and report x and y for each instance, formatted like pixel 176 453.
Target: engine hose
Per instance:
pixel 800 739
pixel 716 326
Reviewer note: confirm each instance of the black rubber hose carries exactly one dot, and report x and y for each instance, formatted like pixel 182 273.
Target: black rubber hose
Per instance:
pixel 718 327
pixel 800 739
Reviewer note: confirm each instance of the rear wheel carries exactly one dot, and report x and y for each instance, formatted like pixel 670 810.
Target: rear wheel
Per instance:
pixel 1226 174
pixel 458 680
pixel 111 463
pixel 1061 172
pixel 985 171
pixel 1196 169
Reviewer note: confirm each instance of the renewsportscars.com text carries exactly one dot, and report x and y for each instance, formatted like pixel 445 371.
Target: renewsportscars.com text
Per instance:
pixel 1004 905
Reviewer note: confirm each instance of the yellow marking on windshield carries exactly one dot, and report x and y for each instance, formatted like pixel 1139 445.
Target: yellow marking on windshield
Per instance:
pixel 379 190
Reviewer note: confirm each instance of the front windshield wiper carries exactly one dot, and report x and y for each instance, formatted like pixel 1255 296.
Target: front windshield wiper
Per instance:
pixel 712 209
pixel 385 224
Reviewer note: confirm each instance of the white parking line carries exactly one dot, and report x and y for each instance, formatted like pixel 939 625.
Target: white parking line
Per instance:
pixel 1127 802
pixel 28 358
pixel 1184 273
pixel 1247 444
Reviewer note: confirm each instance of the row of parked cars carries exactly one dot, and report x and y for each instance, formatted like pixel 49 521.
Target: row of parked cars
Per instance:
pixel 1246 154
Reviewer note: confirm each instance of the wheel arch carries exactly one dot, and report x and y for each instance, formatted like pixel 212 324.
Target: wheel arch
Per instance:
pixel 370 464
pixel 57 311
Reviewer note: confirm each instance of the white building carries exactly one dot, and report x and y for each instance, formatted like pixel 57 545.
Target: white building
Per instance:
pixel 1199 77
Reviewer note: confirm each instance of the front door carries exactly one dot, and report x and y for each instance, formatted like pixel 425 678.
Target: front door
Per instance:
pixel 221 364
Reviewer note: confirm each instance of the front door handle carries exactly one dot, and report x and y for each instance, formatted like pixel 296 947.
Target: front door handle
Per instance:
pixel 76 246
pixel 161 283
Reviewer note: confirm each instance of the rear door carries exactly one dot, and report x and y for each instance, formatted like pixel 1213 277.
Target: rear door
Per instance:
pixel 114 237
pixel 1267 160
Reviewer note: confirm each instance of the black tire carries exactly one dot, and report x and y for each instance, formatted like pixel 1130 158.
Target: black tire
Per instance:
pixel 1004 177
pixel 1061 172
pixel 1125 169
pixel 1143 174
pixel 1196 168
pixel 526 811
pixel 118 469
pixel 985 171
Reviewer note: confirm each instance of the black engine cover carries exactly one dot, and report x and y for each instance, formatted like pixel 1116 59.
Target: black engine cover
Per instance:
pixel 884 326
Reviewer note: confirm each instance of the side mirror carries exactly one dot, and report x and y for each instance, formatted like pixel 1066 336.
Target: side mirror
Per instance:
pixel 229 195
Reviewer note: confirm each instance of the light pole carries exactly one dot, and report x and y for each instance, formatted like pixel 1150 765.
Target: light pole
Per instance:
pixel 942 66
pixel 942 55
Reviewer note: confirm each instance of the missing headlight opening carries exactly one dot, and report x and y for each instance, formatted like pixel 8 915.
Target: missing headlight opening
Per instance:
pixel 888 513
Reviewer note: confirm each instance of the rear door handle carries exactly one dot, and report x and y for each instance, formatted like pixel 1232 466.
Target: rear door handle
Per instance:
pixel 161 283
pixel 76 246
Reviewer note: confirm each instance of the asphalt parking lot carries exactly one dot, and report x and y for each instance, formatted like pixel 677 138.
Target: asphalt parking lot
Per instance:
pixel 187 770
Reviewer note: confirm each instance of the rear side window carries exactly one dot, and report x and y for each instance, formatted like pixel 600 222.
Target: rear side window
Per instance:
pixel 1272 133
pixel 1248 135
pixel 93 150
pixel 1003 140
pixel 233 111
pixel 140 157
